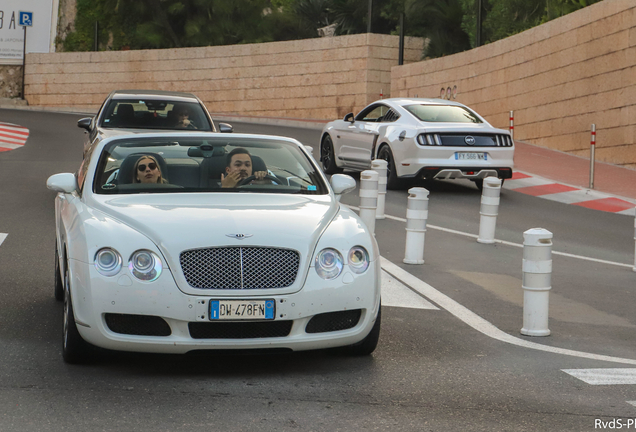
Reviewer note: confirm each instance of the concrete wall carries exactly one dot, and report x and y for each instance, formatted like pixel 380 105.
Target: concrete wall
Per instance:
pixel 312 79
pixel 559 78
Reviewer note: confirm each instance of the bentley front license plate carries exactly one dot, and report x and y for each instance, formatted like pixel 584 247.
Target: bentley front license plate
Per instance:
pixel 470 156
pixel 242 309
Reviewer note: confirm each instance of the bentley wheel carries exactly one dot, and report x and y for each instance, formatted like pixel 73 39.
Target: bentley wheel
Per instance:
pixel 59 285
pixel 367 345
pixel 328 157
pixel 392 180
pixel 75 349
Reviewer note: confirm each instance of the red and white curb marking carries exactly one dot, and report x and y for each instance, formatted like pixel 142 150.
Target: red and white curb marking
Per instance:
pixel 12 136
pixel 548 189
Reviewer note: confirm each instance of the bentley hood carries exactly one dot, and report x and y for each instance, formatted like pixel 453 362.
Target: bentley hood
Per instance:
pixel 180 222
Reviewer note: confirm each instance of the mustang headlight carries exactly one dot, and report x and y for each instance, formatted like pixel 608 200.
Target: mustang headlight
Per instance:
pixel 145 265
pixel 108 261
pixel 358 259
pixel 329 263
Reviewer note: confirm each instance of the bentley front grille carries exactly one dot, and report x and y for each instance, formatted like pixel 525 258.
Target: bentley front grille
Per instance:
pixel 240 267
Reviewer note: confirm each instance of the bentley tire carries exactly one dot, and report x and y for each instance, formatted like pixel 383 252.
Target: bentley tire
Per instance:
pixel 367 345
pixel 75 349
pixel 59 285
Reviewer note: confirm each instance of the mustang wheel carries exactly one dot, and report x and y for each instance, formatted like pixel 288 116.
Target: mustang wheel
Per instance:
pixel 328 157
pixel 392 180
pixel 75 349
pixel 59 285
pixel 367 345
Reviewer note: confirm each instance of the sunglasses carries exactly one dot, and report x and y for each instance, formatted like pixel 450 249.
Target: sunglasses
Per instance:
pixel 151 165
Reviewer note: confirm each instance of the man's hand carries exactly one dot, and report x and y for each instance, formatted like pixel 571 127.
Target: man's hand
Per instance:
pixel 230 180
pixel 260 175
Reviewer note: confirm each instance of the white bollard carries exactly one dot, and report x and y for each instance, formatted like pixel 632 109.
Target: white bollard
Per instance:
pixel 416 216
pixel 537 281
pixel 634 240
pixel 380 166
pixel 489 210
pixel 368 198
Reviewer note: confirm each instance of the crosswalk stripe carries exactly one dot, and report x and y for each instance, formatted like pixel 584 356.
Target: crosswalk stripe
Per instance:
pixel 606 376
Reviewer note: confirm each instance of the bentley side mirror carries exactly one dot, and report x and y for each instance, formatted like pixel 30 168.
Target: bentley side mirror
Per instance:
pixel 342 184
pixel 225 128
pixel 349 118
pixel 65 183
pixel 85 123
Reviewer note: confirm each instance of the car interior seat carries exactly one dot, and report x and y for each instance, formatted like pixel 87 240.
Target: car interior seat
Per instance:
pixel 125 115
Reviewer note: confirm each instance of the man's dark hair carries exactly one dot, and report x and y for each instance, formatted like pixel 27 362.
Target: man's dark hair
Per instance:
pixel 236 151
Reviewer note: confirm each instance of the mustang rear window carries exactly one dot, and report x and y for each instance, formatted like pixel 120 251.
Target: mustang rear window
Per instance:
pixel 180 164
pixel 443 113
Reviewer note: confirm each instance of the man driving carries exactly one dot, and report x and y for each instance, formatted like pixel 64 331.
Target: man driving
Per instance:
pixel 239 167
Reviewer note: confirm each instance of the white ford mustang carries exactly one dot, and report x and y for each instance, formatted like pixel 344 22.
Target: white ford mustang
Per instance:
pixel 176 242
pixel 420 139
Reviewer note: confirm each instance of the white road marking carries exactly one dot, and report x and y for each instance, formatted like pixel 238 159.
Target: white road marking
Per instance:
pixel 480 324
pixel 2 237
pixel 612 376
pixel 395 293
pixel 633 403
pixel 519 245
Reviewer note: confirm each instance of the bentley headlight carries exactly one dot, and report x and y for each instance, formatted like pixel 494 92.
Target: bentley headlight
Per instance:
pixel 145 265
pixel 329 263
pixel 108 261
pixel 358 259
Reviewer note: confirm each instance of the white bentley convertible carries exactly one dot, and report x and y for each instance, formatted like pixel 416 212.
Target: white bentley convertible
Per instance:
pixel 176 242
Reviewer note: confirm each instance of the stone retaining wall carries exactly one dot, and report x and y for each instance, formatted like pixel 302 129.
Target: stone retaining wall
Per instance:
pixel 559 78
pixel 10 81
pixel 320 78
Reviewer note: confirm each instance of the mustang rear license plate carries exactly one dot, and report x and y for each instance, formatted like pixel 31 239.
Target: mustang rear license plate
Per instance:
pixel 471 156
pixel 242 309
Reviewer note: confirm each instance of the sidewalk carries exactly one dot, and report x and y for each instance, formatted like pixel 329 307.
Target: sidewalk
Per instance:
pixel 574 170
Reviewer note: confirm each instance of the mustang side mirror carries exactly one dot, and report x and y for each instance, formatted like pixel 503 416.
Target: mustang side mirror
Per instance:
pixel 225 128
pixel 65 183
pixel 85 123
pixel 342 184
pixel 349 118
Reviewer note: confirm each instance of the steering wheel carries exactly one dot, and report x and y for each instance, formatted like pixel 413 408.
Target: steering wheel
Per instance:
pixel 246 180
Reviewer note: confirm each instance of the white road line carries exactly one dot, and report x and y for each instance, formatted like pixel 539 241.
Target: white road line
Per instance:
pixel 519 245
pixel 612 376
pixel 2 237
pixel 480 324
pixel 396 294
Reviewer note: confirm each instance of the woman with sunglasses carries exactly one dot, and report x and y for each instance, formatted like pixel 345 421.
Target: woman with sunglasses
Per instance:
pixel 147 170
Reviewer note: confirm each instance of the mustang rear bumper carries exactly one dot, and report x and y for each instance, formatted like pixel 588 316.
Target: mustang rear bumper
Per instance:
pixel 470 173
pixel 121 313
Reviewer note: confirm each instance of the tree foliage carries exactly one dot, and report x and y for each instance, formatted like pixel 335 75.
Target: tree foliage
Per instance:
pixel 448 25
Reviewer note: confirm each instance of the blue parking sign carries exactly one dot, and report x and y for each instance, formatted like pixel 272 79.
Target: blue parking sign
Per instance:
pixel 26 19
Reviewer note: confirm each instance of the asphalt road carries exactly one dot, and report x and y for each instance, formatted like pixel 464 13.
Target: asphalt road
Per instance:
pixel 431 372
